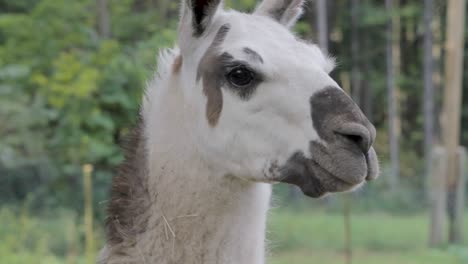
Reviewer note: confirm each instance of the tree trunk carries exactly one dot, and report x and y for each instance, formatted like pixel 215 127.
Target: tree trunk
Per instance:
pixel 163 7
pixel 355 54
pixel 437 76
pixel 428 84
pixel 103 18
pixel 392 104
pixel 322 24
pixel 396 61
pixel 452 101
pixel 367 91
pixel 88 214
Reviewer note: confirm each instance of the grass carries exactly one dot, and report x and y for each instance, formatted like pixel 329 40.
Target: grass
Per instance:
pixel 46 240
pixel 366 257
pixel 308 237
pixel 297 237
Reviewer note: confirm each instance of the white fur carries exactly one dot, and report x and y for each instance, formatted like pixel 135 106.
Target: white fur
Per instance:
pixel 293 10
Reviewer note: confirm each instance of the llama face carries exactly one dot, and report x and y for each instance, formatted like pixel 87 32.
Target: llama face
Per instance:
pixel 263 104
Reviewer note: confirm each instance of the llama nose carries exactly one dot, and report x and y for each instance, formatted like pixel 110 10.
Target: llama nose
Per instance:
pixel 356 134
pixel 337 119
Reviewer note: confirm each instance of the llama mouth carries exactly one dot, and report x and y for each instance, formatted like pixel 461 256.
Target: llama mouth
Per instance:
pixel 316 180
pixel 328 182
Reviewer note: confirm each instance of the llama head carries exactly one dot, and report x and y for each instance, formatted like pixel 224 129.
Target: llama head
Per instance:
pixel 261 103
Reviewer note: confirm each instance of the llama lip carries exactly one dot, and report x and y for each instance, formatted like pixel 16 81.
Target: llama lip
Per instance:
pixel 372 165
pixel 315 180
pixel 362 168
pixel 329 181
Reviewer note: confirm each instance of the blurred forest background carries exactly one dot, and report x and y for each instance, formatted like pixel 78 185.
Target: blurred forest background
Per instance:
pixel 72 74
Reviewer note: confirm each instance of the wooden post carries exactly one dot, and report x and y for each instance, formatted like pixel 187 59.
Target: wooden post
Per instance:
pixel 456 230
pixel 88 214
pixel 452 98
pixel 438 196
pixel 348 244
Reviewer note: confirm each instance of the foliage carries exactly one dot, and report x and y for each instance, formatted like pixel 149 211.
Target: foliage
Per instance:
pixel 68 95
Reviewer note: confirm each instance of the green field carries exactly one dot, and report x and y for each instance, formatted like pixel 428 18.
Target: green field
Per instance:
pixel 294 237
pixel 377 238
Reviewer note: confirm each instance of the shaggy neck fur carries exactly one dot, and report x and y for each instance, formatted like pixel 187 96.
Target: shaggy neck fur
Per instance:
pixel 171 206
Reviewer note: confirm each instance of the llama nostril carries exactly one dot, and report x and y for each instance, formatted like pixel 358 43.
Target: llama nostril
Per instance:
pixel 358 140
pixel 356 134
pixel 355 138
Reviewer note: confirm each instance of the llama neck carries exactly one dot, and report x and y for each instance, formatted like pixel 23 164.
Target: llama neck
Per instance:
pixel 200 217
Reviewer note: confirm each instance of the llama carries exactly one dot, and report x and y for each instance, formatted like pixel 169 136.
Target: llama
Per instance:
pixel 240 103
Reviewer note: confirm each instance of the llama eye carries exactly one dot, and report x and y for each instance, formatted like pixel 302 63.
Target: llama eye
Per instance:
pixel 240 76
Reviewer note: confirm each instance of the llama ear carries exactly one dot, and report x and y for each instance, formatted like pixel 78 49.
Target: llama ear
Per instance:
pixel 197 15
pixel 286 12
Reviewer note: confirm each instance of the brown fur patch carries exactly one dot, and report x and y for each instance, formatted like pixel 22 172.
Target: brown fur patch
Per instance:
pixel 129 194
pixel 214 105
pixel 209 70
pixel 177 64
